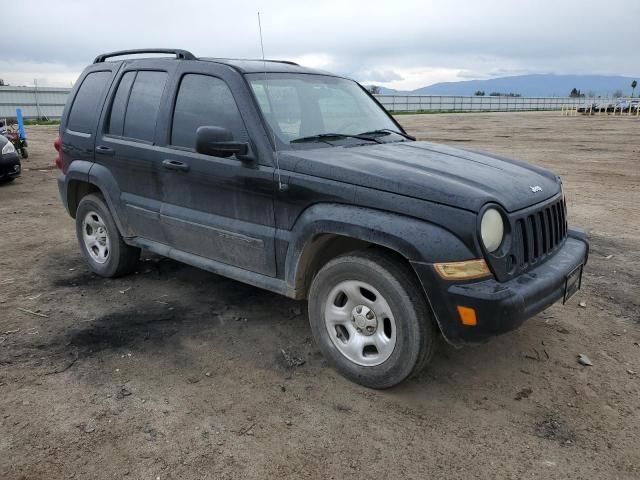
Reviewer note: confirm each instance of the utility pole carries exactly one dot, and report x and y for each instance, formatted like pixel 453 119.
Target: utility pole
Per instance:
pixel 35 91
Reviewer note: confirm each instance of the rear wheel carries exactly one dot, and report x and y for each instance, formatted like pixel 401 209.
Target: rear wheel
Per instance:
pixel 370 319
pixel 100 241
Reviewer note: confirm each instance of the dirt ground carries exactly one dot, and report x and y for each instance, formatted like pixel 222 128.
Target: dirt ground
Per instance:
pixel 175 373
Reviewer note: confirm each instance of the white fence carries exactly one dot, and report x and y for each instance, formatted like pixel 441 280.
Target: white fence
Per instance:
pixel 49 102
pixel 448 103
pixel 35 102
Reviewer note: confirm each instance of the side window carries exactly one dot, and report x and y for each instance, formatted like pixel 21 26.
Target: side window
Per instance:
pixel 119 106
pixel 86 106
pixel 136 104
pixel 204 101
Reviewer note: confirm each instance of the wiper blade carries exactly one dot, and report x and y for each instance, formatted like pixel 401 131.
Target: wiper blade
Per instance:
pixel 324 136
pixel 388 131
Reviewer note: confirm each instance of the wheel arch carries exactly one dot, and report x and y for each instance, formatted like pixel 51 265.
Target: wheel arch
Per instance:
pixel 325 231
pixel 84 178
pixel 76 191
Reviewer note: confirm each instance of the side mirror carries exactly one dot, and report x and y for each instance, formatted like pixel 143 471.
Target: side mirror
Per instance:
pixel 218 141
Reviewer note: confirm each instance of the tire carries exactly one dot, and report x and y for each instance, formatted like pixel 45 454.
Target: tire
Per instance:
pixel 24 152
pixel 100 241
pixel 404 333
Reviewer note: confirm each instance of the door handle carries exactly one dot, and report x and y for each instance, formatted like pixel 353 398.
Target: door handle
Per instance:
pixel 102 150
pixel 175 165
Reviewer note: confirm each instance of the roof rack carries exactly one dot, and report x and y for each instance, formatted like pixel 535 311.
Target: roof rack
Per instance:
pixel 288 62
pixel 180 54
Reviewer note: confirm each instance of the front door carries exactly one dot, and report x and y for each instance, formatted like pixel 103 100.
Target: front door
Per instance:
pixel 214 207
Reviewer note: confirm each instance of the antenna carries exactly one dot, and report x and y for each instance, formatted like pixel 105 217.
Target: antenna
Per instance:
pixel 281 186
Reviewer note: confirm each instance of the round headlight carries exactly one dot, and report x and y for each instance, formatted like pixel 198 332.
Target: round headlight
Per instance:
pixel 492 229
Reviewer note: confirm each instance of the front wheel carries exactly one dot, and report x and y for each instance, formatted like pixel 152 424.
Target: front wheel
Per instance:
pixel 24 153
pixel 100 241
pixel 370 319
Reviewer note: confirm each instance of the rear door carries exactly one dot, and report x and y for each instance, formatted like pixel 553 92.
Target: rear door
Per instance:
pixel 80 118
pixel 126 144
pixel 214 207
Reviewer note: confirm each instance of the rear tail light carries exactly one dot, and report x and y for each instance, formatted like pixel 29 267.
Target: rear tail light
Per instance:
pixel 58 146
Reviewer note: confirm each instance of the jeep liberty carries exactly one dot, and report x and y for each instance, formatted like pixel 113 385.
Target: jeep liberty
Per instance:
pixel 299 182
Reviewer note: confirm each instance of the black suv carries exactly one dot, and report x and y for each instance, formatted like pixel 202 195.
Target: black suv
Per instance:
pixel 298 181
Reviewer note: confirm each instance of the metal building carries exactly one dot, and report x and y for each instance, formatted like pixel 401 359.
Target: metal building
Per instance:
pixel 35 101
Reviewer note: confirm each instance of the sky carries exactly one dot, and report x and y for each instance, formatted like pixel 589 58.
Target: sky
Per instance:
pixel 401 44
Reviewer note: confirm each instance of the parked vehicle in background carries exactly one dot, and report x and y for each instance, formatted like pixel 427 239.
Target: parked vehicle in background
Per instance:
pixel 19 142
pixel 627 106
pixel 591 108
pixel 298 181
pixel 10 166
pixel 620 106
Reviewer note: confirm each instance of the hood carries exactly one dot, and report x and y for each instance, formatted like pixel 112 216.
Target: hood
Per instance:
pixel 437 173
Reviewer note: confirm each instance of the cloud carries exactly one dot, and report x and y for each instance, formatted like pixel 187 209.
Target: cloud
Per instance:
pixel 389 42
pixel 377 76
pixel 315 60
pixel 44 74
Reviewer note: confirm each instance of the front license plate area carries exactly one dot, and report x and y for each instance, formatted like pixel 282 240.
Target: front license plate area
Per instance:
pixel 572 283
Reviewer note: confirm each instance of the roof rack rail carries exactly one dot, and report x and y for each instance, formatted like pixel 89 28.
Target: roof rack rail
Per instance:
pixel 267 60
pixel 180 54
pixel 289 62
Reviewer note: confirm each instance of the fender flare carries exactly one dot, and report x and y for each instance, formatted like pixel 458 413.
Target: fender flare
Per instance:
pixel 77 171
pixel 416 240
pixel 100 177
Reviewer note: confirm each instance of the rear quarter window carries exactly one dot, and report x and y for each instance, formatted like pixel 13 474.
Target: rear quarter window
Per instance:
pixel 119 106
pixel 85 109
pixel 144 103
pixel 135 105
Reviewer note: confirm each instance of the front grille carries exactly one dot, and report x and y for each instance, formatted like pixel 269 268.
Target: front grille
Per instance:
pixel 538 234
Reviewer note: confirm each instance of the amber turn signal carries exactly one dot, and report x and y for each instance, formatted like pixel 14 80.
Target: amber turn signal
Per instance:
pixel 467 315
pixel 463 270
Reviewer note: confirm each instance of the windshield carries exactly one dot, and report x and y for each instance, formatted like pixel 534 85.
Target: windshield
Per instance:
pixel 301 107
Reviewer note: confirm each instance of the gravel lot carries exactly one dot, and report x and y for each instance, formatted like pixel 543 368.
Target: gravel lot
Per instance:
pixel 175 373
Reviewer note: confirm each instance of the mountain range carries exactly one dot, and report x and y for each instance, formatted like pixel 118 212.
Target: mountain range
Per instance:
pixel 538 85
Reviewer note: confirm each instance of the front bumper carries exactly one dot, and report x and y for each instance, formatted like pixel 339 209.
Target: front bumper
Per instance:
pixel 9 166
pixel 501 306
